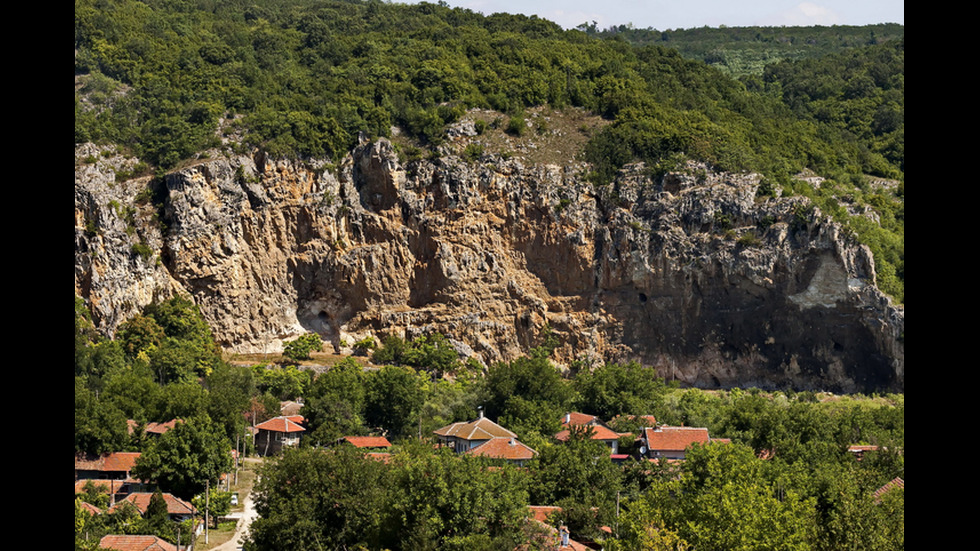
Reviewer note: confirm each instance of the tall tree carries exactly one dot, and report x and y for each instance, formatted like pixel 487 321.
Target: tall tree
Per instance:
pixel 184 458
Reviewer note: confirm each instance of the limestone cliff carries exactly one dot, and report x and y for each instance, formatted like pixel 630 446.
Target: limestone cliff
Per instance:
pixel 686 272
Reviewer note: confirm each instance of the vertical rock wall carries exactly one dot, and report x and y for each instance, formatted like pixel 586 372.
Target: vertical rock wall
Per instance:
pixel 689 273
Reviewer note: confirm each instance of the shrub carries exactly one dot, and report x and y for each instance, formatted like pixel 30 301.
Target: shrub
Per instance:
pixel 516 125
pixel 473 152
pixel 302 347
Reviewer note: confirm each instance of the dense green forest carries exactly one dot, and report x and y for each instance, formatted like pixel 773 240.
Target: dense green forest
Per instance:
pixel 786 480
pixel 741 51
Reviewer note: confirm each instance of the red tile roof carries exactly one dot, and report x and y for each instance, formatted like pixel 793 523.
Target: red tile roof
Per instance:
pixel 280 424
pixel 160 428
pixel 541 513
pixel 574 418
pixel 90 509
pixel 892 484
pixel 136 543
pixel 175 505
pixel 100 485
pixel 599 432
pixel 383 457
pixel 503 448
pixel 480 429
pixel 112 462
pixel 666 438
pixel 645 420
pixel 367 441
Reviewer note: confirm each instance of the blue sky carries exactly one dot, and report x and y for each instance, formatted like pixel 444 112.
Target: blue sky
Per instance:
pixel 685 14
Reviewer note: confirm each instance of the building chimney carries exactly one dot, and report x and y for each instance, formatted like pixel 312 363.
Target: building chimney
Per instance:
pixel 479 412
pixel 563 532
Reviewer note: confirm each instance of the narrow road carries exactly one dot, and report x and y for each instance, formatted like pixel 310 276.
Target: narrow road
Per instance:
pixel 235 543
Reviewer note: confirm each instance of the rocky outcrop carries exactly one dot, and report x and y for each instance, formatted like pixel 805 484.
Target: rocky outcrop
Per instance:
pixel 689 273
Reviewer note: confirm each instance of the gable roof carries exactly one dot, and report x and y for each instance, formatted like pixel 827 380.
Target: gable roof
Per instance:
pixel 290 408
pixel 892 484
pixel 111 462
pixel 367 441
pixel 90 509
pixel 503 447
pixel 101 485
pixel 599 432
pixel 136 543
pixel 574 418
pixel 175 505
pixel 280 424
pixel 160 428
pixel 480 429
pixel 674 438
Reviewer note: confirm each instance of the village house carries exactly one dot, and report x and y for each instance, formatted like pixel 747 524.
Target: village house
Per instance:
pixel 178 510
pixel 462 437
pixel 274 435
pixel 599 431
pixel 470 438
pixel 110 466
pixel 507 449
pixel 665 442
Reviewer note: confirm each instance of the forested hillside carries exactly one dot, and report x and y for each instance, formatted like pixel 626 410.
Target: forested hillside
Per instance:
pixel 741 51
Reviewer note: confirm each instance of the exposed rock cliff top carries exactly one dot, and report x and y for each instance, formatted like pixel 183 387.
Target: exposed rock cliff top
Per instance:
pixel 688 272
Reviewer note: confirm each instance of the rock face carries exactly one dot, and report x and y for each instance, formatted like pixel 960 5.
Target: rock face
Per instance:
pixel 688 272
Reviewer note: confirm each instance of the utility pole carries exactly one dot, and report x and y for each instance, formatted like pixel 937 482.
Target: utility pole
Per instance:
pixel 207 507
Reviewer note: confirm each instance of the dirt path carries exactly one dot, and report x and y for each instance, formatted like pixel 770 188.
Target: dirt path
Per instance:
pixel 235 543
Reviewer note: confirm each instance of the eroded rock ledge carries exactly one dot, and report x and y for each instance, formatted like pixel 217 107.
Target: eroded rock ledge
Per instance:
pixel 688 273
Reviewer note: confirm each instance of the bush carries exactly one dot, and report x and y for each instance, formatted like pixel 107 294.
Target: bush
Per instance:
pixel 301 347
pixel 516 126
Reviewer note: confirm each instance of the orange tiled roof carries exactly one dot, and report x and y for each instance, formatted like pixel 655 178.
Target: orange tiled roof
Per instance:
pixel 116 462
pixel 892 484
pixel 280 424
pixel 160 428
pixel 101 485
pixel 675 438
pixel 136 543
pixel 574 418
pixel 503 448
pixel 90 509
pixel 368 441
pixel 646 420
pixel 175 505
pixel 541 513
pixel 383 457
pixel 480 429
pixel 599 432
